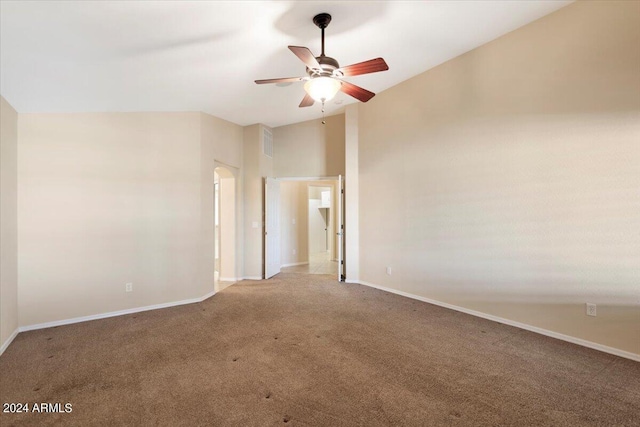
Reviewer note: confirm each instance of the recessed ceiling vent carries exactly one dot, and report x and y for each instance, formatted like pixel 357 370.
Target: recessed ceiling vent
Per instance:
pixel 267 142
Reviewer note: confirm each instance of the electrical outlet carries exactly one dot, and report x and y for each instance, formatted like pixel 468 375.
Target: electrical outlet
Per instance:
pixel 128 287
pixel 294 251
pixel 293 221
pixel 389 271
pixel 591 309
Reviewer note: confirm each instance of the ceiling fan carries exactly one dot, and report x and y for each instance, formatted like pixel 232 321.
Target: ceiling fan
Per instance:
pixel 325 76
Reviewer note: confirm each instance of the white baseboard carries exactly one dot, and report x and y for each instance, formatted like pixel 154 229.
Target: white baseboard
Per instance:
pixel 293 264
pixel 9 341
pixel 113 313
pixel 252 278
pixel 552 334
pixel 228 279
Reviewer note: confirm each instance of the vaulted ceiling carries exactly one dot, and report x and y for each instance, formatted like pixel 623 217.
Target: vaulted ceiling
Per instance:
pixel 94 56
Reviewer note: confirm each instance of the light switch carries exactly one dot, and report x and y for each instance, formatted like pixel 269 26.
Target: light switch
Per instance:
pixel 254 224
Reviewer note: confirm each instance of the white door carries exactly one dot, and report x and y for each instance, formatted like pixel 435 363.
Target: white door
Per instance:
pixel 340 233
pixel 271 227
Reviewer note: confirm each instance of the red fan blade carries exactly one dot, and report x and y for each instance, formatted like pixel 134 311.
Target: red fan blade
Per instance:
pixel 356 91
pixel 307 101
pixel 305 56
pixel 366 67
pixel 281 80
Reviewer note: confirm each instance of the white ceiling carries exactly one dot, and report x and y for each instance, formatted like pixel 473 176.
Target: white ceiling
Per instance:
pixel 91 56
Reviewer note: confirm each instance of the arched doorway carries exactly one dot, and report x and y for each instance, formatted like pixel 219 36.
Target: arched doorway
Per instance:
pixel 225 227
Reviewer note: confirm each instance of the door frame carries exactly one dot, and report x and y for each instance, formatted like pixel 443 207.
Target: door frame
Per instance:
pixel 271 232
pixel 339 196
pixel 228 232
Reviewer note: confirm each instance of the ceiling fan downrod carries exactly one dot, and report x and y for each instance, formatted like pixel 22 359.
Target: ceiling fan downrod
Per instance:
pixel 322 21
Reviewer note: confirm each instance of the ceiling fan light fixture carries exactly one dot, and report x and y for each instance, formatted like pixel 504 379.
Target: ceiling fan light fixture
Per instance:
pixel 322 89
pixel 324 74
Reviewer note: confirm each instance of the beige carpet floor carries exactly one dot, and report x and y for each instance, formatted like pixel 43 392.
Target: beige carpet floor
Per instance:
pixel 304 350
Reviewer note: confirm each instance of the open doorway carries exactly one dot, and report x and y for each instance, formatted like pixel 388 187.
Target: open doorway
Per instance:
pixel 321 229
pixel 309 240
pixel 225 227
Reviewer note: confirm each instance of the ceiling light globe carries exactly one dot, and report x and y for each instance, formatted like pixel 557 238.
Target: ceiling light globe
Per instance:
pixel 322 89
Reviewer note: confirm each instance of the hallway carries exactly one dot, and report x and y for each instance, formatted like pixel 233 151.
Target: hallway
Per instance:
pixel 319 263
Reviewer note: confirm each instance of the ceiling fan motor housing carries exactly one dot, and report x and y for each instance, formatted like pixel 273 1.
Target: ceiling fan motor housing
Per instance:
pixel 327 64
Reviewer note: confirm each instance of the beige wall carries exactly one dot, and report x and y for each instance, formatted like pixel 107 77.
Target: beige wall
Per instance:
pixel 294 236
pixel 111 198
pixel 221 145
pixel 309 149
pixel 8 222
pixel 507 180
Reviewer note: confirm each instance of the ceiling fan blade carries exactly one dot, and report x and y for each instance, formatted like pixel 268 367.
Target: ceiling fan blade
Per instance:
pixel 366 67
pixel 281 80
pixel 307 101
pixel 356 91
pixel 305 56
